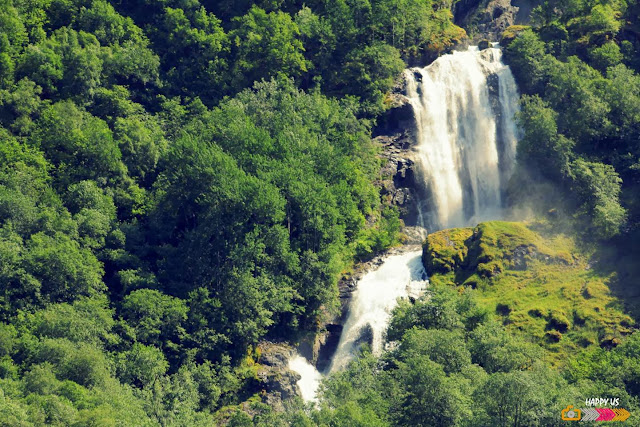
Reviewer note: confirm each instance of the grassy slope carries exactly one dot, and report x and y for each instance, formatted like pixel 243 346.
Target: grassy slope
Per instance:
pixel 541 284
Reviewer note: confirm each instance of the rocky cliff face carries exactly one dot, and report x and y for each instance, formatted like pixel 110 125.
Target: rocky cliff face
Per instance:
pixel 399 185
pixel 396 135
pixel 487 19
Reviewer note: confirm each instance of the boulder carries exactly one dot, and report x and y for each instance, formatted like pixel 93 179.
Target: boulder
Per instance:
pixel 365 336
pixel 510 34
pixel 399 114
pixel 278 382
pixel 484 44
pixel 415 235
pixel 330 344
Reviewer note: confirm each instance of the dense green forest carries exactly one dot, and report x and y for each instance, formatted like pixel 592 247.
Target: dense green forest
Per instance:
pixel 580 108
pixel 181 179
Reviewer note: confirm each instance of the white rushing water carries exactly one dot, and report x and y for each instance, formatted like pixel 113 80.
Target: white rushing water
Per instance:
pixel 376 295
pixel 309 377
pixel 464 104
pixel 400 275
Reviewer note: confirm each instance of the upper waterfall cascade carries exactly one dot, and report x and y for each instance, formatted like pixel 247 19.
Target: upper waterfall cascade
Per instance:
pixel 464 105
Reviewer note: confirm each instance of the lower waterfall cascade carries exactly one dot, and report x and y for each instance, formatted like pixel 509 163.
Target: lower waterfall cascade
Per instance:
pixel 400 276
pixel 464 105
pixel 309 377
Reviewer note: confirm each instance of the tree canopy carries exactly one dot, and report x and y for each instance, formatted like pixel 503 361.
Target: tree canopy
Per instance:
pixel 178 181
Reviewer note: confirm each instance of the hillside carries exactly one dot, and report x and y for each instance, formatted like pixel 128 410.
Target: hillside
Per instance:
pixel 186 185
pixel 180 183
pixel 519 322
pixel 540 285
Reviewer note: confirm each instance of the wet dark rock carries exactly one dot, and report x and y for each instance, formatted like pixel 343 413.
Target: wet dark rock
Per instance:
pixel 399 185
pixel 400 114
pixel 395 134
pixel 484 44
pixel 275 355
pixel 493 86
pixel 415 235
pixel 318 347
pixel 462 45
pixel 365 336
pixel 329 346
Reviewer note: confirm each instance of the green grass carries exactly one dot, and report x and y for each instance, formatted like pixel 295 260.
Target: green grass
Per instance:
pixel 543 286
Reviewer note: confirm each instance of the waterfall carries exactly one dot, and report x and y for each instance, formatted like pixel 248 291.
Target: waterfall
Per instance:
pixel 464 105
pixel 371 304
pixel 309 377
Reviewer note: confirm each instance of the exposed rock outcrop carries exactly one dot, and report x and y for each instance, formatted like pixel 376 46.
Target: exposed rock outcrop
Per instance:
pixel 400 113
pixel 318 348
pixel 415 235
pixel 399 186
pixel 484 44
pixel 487 19
pixel 396 135
pixel 279 383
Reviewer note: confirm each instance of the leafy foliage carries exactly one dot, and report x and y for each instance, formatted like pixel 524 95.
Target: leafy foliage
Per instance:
pixel 570 63
pixel 175 186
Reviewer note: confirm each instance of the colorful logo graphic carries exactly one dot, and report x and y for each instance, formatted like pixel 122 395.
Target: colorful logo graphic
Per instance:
pixel 594 414
pixel 570 414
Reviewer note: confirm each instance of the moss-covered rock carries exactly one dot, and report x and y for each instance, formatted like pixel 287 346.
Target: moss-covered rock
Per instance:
pixel 446 250
pixel 484 44
pixel 541 285
pixel 511 33
pixel 558 321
